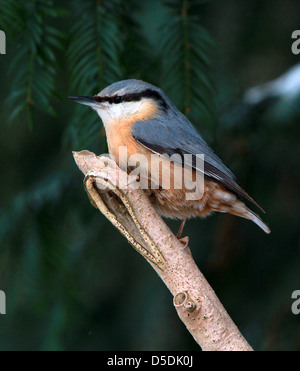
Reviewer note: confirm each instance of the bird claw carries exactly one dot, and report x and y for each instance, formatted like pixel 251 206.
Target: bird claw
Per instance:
pixel 185 241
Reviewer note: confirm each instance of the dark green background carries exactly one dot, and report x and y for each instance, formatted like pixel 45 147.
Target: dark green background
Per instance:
pixel 72 282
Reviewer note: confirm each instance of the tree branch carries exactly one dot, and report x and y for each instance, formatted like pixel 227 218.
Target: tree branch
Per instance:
pixel 131 212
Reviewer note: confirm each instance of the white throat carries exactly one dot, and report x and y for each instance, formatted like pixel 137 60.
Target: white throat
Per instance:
pixel 109 113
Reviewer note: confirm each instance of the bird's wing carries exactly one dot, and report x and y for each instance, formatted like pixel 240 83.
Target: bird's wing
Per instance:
pixel 181 138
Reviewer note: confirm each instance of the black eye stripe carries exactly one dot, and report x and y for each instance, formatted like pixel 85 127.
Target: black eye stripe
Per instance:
pixel 117 99
pixel 133 97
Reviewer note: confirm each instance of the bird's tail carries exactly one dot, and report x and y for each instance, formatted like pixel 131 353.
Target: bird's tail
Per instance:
pixel 249 214
pixel 257 220
pixel 227 202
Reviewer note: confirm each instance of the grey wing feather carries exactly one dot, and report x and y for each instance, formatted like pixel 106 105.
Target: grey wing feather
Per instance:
pixel 177 135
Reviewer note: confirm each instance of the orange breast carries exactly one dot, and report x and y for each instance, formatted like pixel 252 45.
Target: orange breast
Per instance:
pixel 119 134
pixel 168 202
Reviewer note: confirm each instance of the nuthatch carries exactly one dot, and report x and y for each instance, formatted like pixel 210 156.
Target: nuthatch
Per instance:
pixel 140 116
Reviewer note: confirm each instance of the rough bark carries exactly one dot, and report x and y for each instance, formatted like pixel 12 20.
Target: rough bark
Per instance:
pixel 132 213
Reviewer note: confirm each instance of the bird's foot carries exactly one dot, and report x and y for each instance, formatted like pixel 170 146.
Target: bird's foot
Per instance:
pixel 185 241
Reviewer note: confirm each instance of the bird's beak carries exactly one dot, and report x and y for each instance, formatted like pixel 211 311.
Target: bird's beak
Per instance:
pixel 87 101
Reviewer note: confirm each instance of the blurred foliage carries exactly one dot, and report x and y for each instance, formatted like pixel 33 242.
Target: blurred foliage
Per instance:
pixel 71 281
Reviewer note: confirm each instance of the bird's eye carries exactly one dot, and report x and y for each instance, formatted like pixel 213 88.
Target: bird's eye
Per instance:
pixel 117 99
